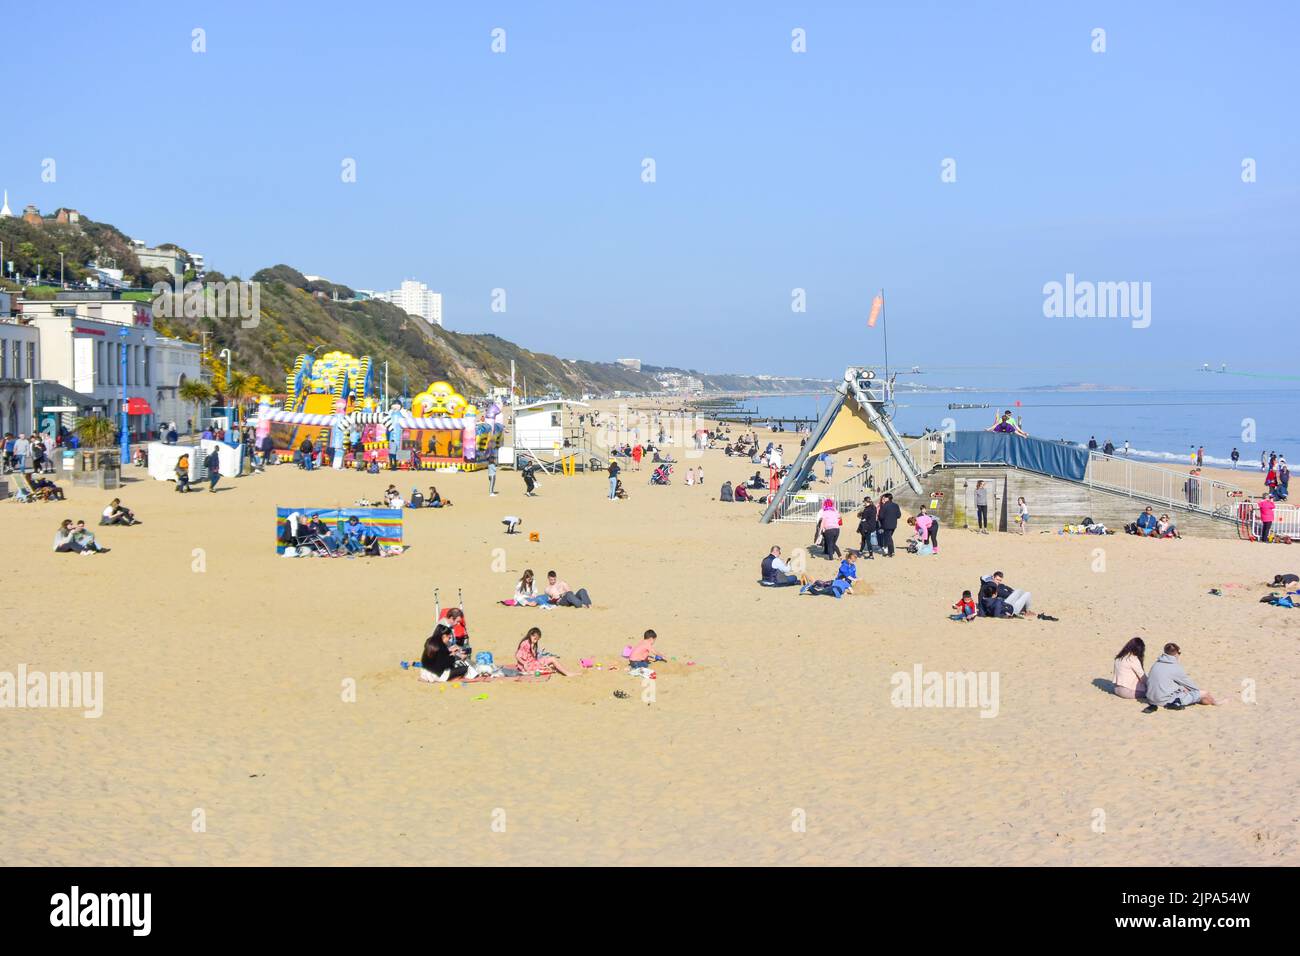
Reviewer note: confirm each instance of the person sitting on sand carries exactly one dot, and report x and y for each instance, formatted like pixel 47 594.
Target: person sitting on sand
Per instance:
pixel 117 513
pixel 86 538
pixel 775 573
pixel 371 547
pixel 454 618
pixel 1130 678
pixel 1169 686
pixel 1146 523
pixel 643 652
pixel 561 595
pixel 65 538
pixel 526 593
pixel 740 494
pixel 436 500
pixel 965 608
pixel 443 659
pixel 393 498
pixel 352 533
pixel 528 660
pixel 1165 528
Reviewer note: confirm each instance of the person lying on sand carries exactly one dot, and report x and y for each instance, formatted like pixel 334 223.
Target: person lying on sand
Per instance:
pixel 843 583
pixel 1017 600
pixel 528 661
pixel 1169 686
pixel 1130 678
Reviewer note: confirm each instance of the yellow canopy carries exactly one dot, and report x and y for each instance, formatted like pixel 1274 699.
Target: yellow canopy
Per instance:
pixel 849 429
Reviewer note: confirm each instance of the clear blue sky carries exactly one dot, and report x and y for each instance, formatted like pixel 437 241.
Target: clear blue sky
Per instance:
pixel 775 170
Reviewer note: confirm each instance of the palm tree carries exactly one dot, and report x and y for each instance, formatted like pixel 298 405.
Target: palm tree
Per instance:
pixel 95 431
pixel 238 388
pixel 196 392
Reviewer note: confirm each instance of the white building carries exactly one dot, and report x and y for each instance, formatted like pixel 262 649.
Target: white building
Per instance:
pixel 170 259
pixel 414 298
pixel 81 341
pixel 633 364
pixel 19 363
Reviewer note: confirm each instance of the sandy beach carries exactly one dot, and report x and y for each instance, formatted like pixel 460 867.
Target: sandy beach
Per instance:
pixel 228 735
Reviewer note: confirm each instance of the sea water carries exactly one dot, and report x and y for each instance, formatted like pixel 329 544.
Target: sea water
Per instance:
pixel 1160 425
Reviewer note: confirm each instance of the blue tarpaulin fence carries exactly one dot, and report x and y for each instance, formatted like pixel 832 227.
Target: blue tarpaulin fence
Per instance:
pixel 1031 454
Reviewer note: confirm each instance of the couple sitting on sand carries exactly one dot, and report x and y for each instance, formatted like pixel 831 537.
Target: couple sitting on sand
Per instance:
pixel 1149 526
pixel 556 594
pixel 69 539
pixel 1166 685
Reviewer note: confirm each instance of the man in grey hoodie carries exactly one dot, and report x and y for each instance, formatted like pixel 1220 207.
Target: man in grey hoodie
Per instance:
pixel 1168 683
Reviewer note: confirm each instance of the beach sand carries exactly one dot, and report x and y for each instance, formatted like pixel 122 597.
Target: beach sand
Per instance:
pixel 226 737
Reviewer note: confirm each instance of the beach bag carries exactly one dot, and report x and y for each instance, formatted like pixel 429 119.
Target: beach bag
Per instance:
pixel 924 549
pixel 483 659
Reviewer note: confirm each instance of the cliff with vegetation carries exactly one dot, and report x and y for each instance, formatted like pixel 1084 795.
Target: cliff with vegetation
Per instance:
pixel 297 316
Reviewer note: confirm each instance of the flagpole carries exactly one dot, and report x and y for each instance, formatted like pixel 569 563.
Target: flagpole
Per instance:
pixel 884 319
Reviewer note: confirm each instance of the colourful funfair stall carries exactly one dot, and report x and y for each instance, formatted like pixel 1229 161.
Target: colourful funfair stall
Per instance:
pixel 440 430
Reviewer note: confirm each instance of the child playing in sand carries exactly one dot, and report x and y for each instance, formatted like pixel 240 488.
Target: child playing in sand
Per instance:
pixel 643 652
pixel 965 608
pixel 528 661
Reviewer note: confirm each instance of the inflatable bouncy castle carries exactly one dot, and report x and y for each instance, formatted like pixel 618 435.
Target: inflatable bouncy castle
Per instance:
pixel 317 391
pixel 329 402
pixel 445 430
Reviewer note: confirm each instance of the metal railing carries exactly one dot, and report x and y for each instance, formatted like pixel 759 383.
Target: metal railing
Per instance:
pixel 1167 487
pixel 1286 522
pixel 875 478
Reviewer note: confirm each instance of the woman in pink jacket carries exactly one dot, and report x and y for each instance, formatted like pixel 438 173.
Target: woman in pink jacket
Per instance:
pixel 1266 512
pixel 830 523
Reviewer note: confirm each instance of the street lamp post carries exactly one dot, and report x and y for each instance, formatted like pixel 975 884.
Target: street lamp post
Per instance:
pixel 125 439
pixel 226 353
pixel 61 285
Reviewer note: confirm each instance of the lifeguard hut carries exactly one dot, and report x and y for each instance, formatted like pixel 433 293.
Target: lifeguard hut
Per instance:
pixel 550 432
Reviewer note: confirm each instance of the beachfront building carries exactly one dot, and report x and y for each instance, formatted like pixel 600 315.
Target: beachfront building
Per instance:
pixel 19 360
pixel 413 298
pixel 80 349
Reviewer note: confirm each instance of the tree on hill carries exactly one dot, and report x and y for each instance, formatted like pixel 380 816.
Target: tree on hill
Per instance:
pixel 281 273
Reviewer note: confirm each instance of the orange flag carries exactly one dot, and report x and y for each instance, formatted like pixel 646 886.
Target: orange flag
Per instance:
pixel 877 304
